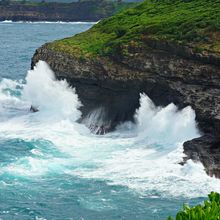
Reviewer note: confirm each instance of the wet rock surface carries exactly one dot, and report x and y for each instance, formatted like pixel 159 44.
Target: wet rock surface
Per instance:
pixel 164 75
pixel 206 150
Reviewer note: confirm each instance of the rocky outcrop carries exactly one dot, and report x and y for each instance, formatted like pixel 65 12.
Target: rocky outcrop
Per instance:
pixel 206 150
pixel 76 11
pixel 165 75
pixel 95 85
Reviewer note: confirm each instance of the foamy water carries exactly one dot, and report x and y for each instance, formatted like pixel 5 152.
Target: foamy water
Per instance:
pixel 143 157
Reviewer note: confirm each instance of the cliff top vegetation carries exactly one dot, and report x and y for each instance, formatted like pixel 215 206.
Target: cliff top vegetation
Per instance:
pixel 194 23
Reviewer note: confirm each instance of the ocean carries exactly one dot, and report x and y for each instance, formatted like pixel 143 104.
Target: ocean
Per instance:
pixel 52 167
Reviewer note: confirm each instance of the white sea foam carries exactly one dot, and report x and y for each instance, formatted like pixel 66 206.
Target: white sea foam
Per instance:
pixel 53 98
pixel 143 157
pixel 6 21
pixel 166 125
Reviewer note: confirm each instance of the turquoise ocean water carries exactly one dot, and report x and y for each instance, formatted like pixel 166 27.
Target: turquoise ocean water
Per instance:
pixel 51 167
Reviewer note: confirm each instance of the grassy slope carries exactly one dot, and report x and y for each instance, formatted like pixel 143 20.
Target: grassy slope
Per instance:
pixel 187 22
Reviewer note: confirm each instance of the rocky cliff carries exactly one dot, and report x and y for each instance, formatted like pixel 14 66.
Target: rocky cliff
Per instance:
pixel 76 11
pixel 111 75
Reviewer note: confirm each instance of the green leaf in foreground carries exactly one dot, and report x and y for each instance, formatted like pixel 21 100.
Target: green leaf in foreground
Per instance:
pixel 209 210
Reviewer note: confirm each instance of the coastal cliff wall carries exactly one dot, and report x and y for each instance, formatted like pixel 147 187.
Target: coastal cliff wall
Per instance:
pixel 115 85
pixel 163 76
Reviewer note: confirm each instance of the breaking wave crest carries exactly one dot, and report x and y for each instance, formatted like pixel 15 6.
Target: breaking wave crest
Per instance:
pixel 51 97
pixel 143 156
pixel 165 124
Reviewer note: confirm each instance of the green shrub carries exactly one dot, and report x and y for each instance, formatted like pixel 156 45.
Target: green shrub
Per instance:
pixel 210 210
pixel 120 32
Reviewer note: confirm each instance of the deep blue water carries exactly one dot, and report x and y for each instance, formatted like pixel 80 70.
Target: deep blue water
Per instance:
pixel 19 41
pixel 51 167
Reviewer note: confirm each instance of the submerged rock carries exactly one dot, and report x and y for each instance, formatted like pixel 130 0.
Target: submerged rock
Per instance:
pixel 33 109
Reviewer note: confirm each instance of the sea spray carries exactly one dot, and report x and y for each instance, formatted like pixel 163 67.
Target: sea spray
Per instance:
pixel 144 158
pixel 50 96
pixel 97 121
pixel 165 124
pixel 149 161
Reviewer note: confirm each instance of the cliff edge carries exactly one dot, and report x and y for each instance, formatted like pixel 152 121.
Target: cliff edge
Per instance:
pixel 169 50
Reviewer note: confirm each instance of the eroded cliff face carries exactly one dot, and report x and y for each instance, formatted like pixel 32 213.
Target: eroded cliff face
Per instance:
pixel 165 75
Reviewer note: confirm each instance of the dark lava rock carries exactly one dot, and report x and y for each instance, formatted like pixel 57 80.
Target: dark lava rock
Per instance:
pixel 207 150
pixel 33 109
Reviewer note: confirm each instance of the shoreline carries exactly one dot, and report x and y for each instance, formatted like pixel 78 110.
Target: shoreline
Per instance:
pixel 48 22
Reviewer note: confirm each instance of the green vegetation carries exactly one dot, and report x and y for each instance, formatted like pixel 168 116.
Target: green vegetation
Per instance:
pixel 106 6
pixel 210 210
pixel 195 23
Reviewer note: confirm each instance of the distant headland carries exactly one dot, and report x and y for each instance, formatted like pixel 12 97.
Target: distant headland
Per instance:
pixel 82 10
